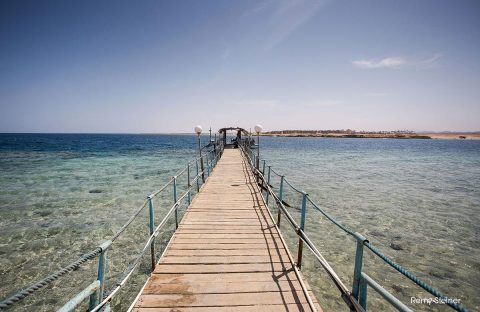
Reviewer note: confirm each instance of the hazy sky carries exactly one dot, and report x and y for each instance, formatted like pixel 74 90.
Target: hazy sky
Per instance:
pixel 158 66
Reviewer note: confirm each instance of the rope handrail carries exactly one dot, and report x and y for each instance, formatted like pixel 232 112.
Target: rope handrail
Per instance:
pixel 121 281
pixel 280 203
pixel 162 188
pixel 129 221
pixel 50 278
pixel 290 258
pixel 19 295
pixel 414 278
pixel 329 217
pixel 276 173
pixel 293 187
pixel 347 230
pixel 134 264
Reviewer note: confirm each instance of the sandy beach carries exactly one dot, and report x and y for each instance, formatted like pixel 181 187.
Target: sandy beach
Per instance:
pixel 375 135
pixel 454 135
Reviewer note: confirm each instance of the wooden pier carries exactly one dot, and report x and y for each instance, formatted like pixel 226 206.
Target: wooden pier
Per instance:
pixel 227 254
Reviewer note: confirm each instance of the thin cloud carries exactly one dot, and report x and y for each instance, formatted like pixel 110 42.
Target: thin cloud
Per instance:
pixel 258 8
pixel 288 17
pixel 429 62
pixel 283 17
pixel 388 62
pixel 395 62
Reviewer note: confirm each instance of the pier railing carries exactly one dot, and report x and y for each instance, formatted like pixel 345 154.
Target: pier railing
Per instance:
pixel 356 298
pixel 197 172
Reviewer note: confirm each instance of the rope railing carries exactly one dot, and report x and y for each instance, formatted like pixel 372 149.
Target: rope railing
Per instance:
pixel 354 306
pixel 50 278
pixel 98 300
pixel 358 294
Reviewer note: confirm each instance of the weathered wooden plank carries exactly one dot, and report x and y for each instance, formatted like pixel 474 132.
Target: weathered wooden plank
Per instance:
pixel 222 268
pixel 222 287
pixel 223 277
pixel 226 254
pixel 202 300
pixel 170 259
pixel 223 252
pixel 224 235
pixel 250 308
pixel 196 230
pixel 257 227
pixel 260 240
pixel 223 246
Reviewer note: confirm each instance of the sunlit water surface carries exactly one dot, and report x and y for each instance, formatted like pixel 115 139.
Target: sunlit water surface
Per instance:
pixel 416 200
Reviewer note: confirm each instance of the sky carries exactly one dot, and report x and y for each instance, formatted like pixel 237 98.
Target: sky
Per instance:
pixel 166 66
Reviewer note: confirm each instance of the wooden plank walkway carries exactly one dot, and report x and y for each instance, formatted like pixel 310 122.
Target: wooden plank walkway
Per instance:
pixel 226 254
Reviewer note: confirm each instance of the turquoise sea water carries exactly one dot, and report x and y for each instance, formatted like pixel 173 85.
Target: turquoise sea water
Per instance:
pixel 62 195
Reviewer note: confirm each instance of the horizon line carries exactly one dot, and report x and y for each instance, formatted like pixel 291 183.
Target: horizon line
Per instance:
pixel 207 133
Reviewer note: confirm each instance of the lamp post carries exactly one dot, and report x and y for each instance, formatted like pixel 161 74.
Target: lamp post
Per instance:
pixel 258 130
pixel 198 131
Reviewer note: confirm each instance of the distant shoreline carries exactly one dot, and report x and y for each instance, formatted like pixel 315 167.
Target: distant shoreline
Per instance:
pixel 375 135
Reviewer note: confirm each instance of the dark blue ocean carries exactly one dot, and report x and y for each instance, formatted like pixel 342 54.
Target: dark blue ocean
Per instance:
pixel 417 200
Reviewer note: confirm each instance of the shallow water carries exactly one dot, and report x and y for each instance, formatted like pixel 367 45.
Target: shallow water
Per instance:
pixel 62 195
pixel 419 196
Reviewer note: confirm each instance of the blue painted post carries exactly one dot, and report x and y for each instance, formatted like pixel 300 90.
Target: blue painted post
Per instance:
pixel 198 183
pixel 201 159
pixel 211 161
pixel 96 297
pixel 175 200
pixel 363 293
pixel 263 172
pixel 268 181
pixel 302 227
pixel 280 196
pixel 357 273
pixel 208 166
pixel 152 228
pixel 189 198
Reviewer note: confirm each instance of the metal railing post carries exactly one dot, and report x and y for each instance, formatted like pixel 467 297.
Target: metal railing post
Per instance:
pixel 210 156
pixel 175 200
pixel 201 158
pixel 189 198
pixel 363 294
pixel 302 228
pixel 203 169
pixel 357 273
pixel 268 182
pixel 263 166
pixel 152 228
pixel 96 297
pixel 198 183
pixel 257 159
pixel 208 167
pixel 280 197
